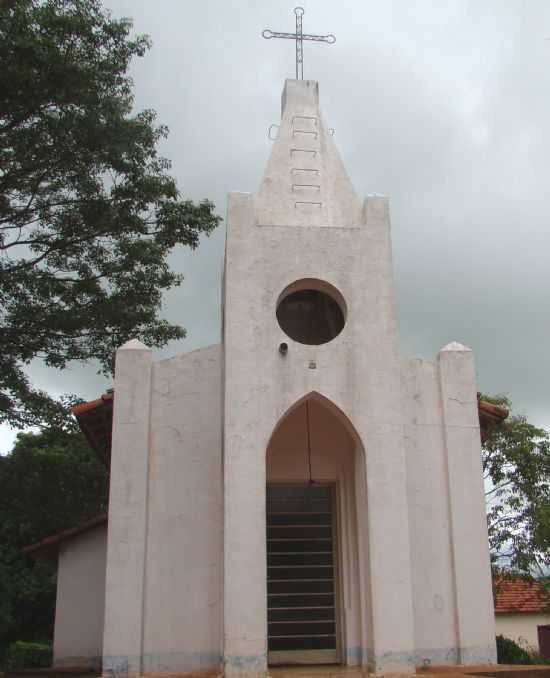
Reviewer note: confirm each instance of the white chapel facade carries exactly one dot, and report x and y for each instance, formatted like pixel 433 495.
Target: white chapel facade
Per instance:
pixel 300 493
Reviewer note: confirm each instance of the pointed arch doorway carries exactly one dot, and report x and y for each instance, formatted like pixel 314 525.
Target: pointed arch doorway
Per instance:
pixel 315 537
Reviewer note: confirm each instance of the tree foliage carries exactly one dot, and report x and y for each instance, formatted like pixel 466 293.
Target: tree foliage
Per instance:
pixel 49 482
pixel 88 211
pixel 516 465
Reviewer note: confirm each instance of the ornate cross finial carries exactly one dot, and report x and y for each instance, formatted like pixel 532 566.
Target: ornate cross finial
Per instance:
pixel 299 37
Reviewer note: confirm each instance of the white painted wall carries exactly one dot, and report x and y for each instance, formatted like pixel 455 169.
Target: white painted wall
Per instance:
pixel 359 372
pixel 80 604
pixel 190 438
pixel 127 529
pixel 521 627
pixel 163 592
pixel 432 573
pixel 467 511
pixel 452 593
pixel 182 606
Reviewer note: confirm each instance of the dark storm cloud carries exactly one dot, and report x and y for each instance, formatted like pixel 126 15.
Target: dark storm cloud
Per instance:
pixel 445 107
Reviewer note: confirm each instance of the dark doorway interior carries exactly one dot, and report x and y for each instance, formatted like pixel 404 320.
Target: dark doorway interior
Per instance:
pixel 300 575
pixel 544 640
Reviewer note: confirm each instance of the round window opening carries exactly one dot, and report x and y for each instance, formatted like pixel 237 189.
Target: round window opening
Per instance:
pixel 311 312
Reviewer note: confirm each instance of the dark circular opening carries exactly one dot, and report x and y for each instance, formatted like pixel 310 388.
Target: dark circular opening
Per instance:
pixel 310 316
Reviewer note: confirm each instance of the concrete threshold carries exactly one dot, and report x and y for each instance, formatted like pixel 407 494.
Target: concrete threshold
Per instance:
pixel 318 671
pixel 456 671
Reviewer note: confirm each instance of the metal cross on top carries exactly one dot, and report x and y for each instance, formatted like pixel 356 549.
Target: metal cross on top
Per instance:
pixel 299 37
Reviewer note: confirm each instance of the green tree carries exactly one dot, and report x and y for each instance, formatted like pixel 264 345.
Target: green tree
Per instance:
pixel 88 211
pixel 49 482
pixel 516 465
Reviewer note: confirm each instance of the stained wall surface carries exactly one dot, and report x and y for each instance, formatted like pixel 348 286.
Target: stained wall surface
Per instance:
pixel 80 605
pixel 163 592
pixel 431 562
pixel 182 605
pixel 314 228
pixel 190 436
pixel 452 595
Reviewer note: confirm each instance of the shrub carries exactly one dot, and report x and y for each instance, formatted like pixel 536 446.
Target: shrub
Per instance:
pixel 23 655
pixel 509 652
pixel 537 658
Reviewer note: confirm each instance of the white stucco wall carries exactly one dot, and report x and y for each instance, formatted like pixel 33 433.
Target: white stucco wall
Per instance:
pixel 127 530
pixel 475 620
pixel 80 604
pixel 521 627
pixel 358 371
pixel 163 602
pixel 452 592
pixel 182 605
pixel 432 573
pixel 190 437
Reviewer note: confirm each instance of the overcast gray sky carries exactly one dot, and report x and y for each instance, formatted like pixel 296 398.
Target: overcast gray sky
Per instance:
pixel 445 107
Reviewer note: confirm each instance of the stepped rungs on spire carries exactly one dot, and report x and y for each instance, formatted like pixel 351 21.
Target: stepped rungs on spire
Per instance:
pixel 305 183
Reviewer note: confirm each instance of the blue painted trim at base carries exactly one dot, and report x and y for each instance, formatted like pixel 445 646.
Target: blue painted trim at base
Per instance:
pixel 177 662
pixel 256 665
pixel 247 665
pixel 161 662
pixel 376 661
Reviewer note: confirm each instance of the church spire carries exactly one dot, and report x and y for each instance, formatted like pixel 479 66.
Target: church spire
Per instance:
pixel 305 182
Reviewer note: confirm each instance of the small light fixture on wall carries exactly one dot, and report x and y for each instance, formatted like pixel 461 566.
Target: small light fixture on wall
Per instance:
pixel 283 348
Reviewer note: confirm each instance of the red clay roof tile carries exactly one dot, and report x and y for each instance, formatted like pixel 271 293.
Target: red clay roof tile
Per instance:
pixel 520 595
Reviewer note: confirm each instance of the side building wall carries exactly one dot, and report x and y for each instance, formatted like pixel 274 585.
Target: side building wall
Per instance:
pixel 522 627
pixel 163 589
pixel 80 605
